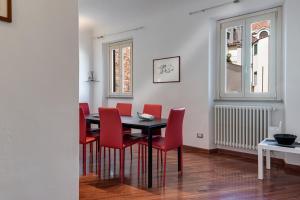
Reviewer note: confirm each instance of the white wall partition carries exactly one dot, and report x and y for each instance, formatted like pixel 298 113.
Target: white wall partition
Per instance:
pixel 39 101
pixel 86 62
pixel 292 95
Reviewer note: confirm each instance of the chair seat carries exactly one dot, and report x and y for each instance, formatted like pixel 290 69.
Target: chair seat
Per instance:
pixel 96 135
pixel 138 134
pixel 127 131
pixel 143 135
pixel 129 140
pixel 95 132
pixel 157 142
pixel 90 139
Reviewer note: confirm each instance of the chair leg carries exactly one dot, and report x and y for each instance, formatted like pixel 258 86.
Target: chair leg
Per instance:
pixel 131 153
pixel 143 167
pixel 91 147
pixel 161 157
pixel 99 163
pixel 104 156
pixel 120 162
pixel 181 159
pixel 84 159
pixel 157 159
pixel 124 151
pixel 97 151
pixel 108 162
pixel 122 165
pixel 91 152
pixel 165 167
pixel 146 153
pixel 139 158
pixel 115 160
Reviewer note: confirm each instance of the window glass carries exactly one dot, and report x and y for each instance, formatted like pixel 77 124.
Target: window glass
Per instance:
pixel 126 63
pixel 116 69
pixel 120 68
pixel 233 57
pixel 259 68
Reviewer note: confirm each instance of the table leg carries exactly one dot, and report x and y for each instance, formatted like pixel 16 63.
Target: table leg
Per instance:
pixel 179 158
pixel 268 159
pixel 149 133
pixel 260 163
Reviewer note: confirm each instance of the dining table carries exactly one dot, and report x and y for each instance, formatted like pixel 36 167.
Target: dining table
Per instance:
pixel 147 127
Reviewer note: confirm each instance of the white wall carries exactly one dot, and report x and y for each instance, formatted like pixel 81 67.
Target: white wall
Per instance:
pixel 39 101
pixel 99 88
pixel 86 60
pixel 292 95
pixel 156 41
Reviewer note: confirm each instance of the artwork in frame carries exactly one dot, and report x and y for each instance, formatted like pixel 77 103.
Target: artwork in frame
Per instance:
pixel 166 70
pixel 5 10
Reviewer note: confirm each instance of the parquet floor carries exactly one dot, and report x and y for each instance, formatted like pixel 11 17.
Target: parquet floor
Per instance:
pixel 205 176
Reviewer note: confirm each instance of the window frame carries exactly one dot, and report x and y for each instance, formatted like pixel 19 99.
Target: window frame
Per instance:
pixel 275 65
pixel 120 45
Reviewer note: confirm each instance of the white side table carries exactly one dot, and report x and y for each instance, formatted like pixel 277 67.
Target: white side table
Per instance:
pixel 269 145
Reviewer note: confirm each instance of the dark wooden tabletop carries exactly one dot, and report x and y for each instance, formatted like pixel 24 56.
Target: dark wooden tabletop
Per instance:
pixel 133 122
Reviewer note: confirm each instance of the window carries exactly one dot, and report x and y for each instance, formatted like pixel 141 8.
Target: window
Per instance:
pixel 249 57
pixel 120 69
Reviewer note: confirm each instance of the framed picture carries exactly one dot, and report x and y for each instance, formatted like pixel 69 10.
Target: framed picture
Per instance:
pixel 166 70
pixel 5 10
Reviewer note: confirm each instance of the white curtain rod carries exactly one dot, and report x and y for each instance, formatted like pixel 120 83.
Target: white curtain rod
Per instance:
pixel 213 7
pixel 129 30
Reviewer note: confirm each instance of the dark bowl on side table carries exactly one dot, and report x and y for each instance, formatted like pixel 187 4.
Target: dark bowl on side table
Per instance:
pixel 285 139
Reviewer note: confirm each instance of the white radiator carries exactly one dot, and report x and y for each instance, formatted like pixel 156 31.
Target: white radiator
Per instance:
pixel 241 126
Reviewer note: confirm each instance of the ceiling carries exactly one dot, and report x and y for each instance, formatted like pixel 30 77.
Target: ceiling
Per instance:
pixel 106 16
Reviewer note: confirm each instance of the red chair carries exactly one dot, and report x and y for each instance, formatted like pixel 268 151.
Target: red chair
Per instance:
pixel 155 110
pixel 124 109
pixel 172 139
pixel 85 108
pixel 91 132
pixel 84 139
pixel 86 112
pixel 112 135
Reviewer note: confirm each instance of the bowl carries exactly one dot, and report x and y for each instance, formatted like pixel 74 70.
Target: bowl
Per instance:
pixel 144 116
pixel 285 139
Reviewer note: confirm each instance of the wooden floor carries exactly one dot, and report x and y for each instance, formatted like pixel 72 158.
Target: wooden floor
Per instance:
pixel 205 176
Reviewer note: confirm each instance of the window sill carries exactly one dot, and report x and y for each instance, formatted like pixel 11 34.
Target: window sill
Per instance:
pixel 119 97
pixel 250 100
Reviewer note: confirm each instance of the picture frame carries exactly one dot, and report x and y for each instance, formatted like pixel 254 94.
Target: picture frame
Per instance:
pixel 6 10
pixel 166 70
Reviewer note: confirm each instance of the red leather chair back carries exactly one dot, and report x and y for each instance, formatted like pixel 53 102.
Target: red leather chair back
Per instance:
pixel 124 109
pixel 82 126
pixel 85 108
pixel 111 128
pixel 86 111
pixel 173 136
pixel 153 109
